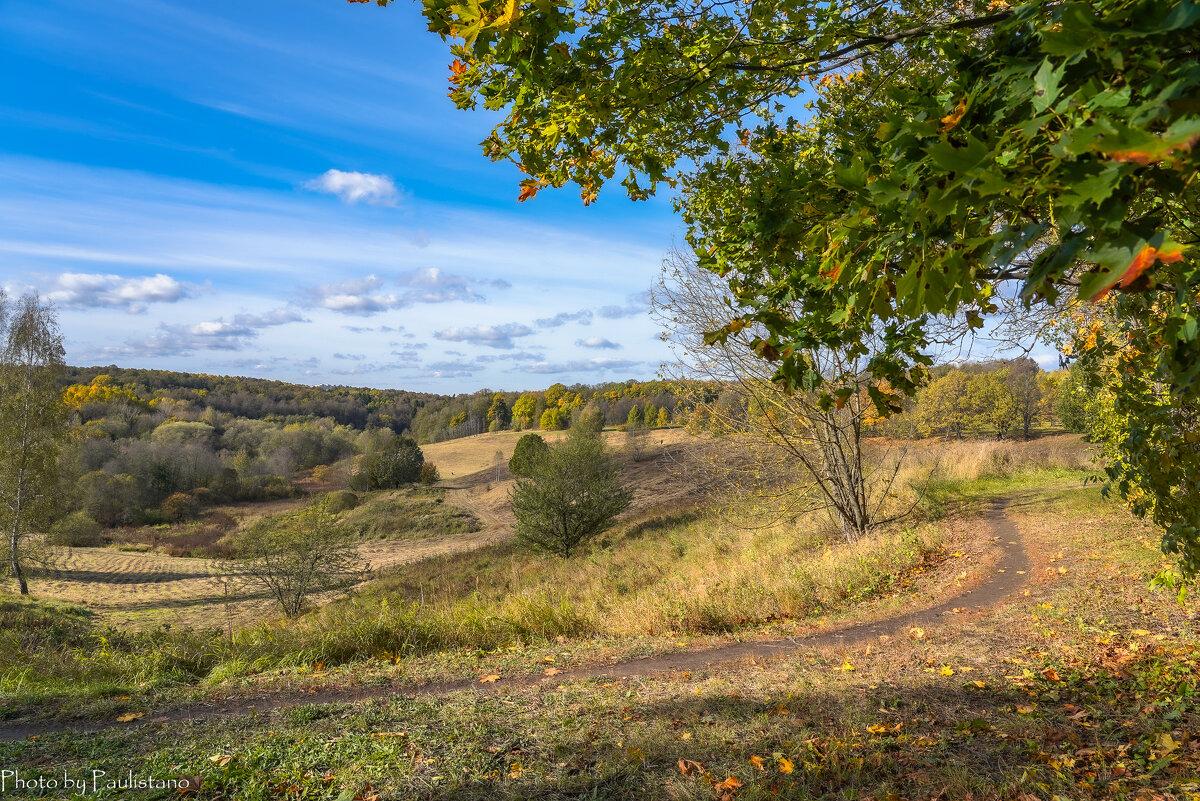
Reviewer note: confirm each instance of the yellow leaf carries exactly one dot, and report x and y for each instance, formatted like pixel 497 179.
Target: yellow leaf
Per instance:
pixel 954 117
pixel 757 761
pixel 1140 632
pixel 220 760
pixel 380 735
pixel 916 633
pixel 730 783
pixel 128 716
pixel 878 728
pixel 947 670
pixel 846 666
pixel 1026 710
pixel 551 672
pixel 979 684
pixel 786 765
pixel 547 659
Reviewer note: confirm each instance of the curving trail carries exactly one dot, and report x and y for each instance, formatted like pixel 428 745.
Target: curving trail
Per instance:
pixel 1008 575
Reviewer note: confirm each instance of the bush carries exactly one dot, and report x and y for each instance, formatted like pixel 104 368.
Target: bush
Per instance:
pixel 296 556
pixel 570 495
pixel 76 530
pixel 179 506
pixel 390 465
pixel 429 474
pixel 530 450
pixel 339 501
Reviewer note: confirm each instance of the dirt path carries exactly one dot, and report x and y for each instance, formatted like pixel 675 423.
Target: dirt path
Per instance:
pixel 1007 576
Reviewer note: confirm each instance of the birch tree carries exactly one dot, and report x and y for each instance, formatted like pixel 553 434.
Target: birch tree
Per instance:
pixel 32 428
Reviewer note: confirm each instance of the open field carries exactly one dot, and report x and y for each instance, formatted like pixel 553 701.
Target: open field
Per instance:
pixel 145 589
pixel 1079 683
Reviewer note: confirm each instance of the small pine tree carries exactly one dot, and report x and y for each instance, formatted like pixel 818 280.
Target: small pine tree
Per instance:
pixel 530 450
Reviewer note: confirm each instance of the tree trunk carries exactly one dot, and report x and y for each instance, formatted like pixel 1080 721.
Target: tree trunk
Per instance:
pixel 14 562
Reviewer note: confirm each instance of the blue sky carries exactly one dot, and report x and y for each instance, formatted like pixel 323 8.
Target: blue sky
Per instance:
pixel 285 191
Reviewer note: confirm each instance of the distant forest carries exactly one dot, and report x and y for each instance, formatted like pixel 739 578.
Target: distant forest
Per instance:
pixel 153 446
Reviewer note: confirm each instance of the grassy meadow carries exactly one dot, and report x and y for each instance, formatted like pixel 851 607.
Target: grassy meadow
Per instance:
pixel 1082 685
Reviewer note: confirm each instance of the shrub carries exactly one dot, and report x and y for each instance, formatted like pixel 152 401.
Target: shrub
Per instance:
pixel 76 530
pixel 390 465
pixel 569 496
pixel 339 501
pixel 296 556
pixel 179 506
pixel 530 450
pixel 429 474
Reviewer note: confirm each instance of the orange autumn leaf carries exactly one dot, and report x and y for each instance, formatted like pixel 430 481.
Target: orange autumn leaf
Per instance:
pixel 690 767
pixel 1171 253
pixel 786 765
pixel 491 678
pixel 951 120
pixel 730 783
pixel 757 762
pixel 527 191
pixel 1144 260
pixel 1051 674
pixel 457 68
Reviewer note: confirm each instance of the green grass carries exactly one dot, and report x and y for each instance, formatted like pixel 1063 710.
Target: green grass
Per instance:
pixel 413 513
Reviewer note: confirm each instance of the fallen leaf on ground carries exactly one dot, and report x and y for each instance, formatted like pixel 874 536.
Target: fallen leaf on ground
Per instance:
pixel 757 761
pixel 947 670
pixel 220 760
pixel 786 765
pixel 551 672
pixel 689 767
pixel 1051 674
pixel 916 633
pixel 128 716
pixel 382 734
pixel 491 678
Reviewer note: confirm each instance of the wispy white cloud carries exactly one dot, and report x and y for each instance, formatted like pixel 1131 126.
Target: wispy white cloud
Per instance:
pixel 636 305
pixel 96 290
pixel 597 342
pixel 492 336
pixel 580 366
pixel 356 187
pixel 583 317
pixel 219 334
pixel 367 296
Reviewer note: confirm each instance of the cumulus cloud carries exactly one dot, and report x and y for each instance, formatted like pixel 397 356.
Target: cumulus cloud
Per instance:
pixel 492 336
pixel 356 187
pixel 96 290
pixel 367 296
pixel 585 366
pixel 635 305
pixel 583 317
pixel 597 342
pixel 219 334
